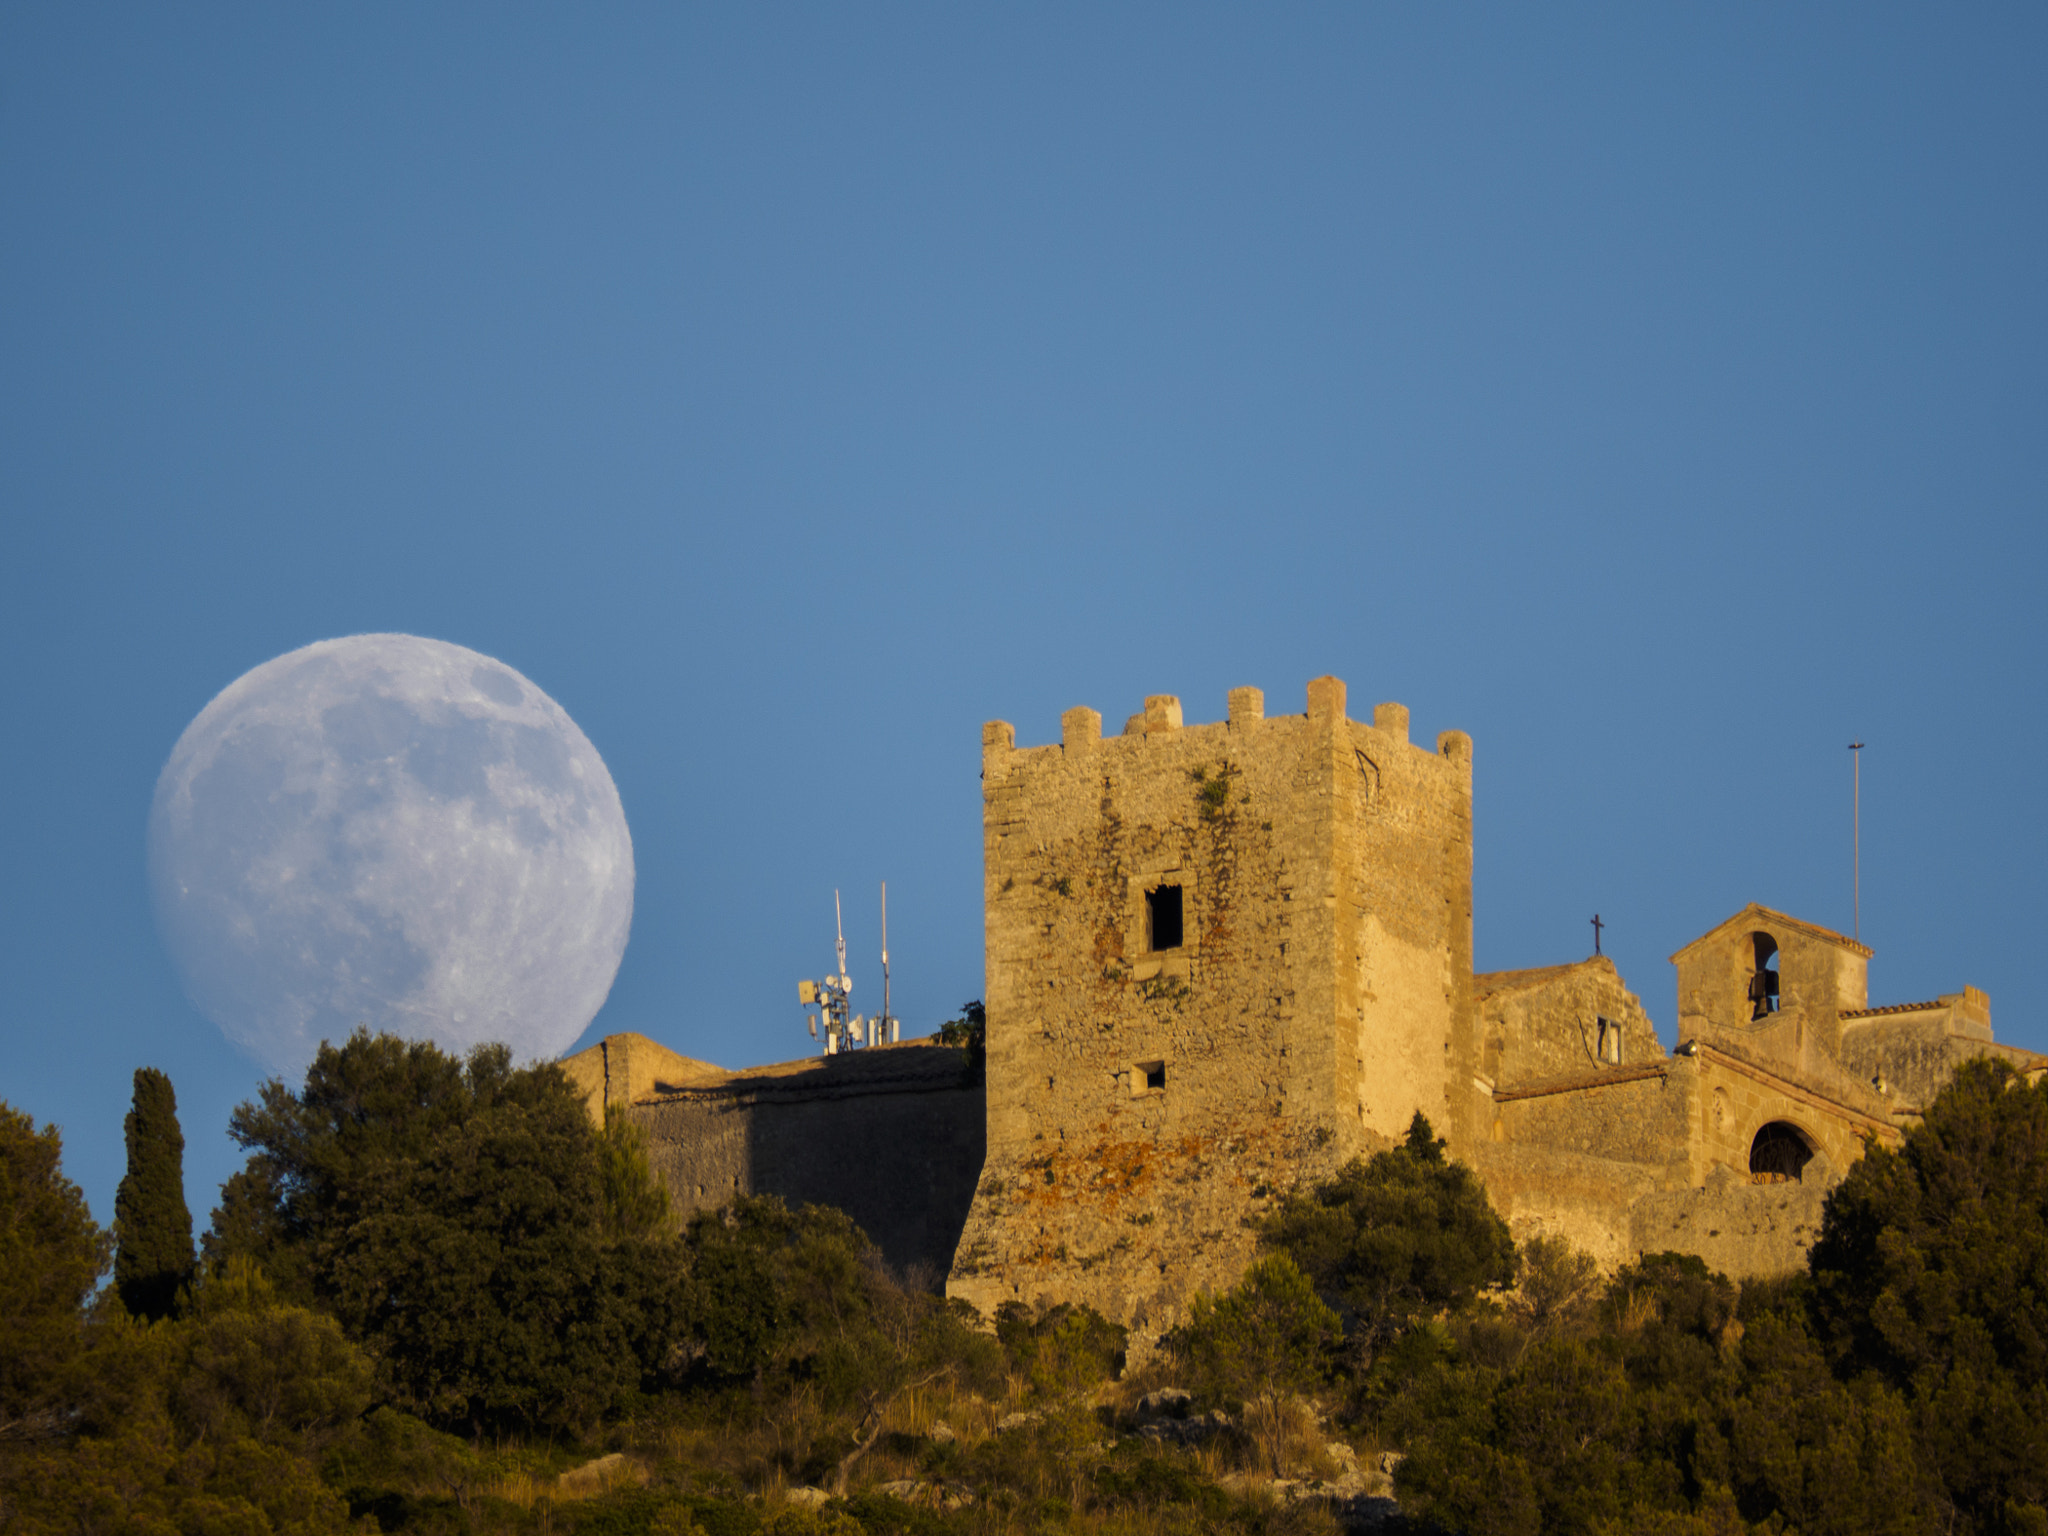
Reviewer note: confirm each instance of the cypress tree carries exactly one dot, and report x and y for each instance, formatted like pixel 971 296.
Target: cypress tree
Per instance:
pixel 151 1224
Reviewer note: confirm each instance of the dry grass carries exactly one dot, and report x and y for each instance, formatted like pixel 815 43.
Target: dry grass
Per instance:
pixel 593 1480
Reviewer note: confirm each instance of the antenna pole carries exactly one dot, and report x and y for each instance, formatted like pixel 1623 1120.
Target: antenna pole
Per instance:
pixel 829 996
pixel 1856 833
pixel 839 928
pixel 886 1015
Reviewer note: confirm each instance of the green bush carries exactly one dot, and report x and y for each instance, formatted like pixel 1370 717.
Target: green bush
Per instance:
pixel 1262 1343
pixel 1062 1351
pixel 1402 1235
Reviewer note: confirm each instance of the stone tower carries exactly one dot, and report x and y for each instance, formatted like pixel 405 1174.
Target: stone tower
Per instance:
pixel 1220 959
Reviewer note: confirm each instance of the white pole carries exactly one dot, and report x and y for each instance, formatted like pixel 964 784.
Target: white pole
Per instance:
pixel 1856 832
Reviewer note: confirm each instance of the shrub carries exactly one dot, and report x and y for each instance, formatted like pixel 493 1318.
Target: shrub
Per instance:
pixel 1261 1344
pixel 1401 1235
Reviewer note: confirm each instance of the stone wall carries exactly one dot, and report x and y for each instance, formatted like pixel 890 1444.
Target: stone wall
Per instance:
pixel 893 1136
pixel 1555 1192
pixel 1539 1025
pixel 623 1068
pixel 1744 1230
pixel 1905 1052
pixel 1633 1114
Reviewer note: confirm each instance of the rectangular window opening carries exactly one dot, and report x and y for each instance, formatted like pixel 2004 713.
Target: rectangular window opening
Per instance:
pixel 1163 917
pixel 1154 1073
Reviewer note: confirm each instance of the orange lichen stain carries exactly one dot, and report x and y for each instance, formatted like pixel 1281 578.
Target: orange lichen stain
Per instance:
pixel 1112 1171
pixel 1113 1175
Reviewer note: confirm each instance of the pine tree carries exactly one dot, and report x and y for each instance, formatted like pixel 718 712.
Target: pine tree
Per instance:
pixel 152 1227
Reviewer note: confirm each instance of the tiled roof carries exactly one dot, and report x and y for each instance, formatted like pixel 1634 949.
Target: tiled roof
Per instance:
pixel 1871 1013
pixel 1750 915
pixel 1613 1077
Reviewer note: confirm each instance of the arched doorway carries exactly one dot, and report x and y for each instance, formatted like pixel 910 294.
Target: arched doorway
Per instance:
pixel 1779 1153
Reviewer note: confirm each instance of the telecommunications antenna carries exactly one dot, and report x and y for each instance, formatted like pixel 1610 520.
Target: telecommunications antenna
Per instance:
pixel 831 1024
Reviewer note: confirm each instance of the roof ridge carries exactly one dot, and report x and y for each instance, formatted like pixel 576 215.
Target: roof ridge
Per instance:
pixel 1865 1013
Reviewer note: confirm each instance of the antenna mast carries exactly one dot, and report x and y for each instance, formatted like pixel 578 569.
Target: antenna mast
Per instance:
pixel 887 1029
pixel 839 945
pixel 1856 834
pixel 831 1024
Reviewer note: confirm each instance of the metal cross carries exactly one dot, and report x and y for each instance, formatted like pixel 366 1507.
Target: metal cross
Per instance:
pixel 1597 926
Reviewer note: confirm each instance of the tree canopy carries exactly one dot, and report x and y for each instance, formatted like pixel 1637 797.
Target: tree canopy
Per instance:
pixel 1402 1234
pixel 1931 1275
pixel 501 1258
pixel 1901 1385
pixel 52 1254
pixel 152 1227
pixel 418 1241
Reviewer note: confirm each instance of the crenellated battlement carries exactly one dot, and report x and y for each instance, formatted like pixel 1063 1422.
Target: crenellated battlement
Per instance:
pixel 1081 727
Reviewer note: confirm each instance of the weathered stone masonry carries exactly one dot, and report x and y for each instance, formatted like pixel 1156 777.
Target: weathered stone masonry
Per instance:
pixel 1224 959
pixel 1150 1090
pixel 891 1136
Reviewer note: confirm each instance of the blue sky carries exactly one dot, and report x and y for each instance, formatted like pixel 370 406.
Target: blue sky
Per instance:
pixel 1656 393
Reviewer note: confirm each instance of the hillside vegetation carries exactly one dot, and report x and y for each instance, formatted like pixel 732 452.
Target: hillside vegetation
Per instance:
pixel 437 1300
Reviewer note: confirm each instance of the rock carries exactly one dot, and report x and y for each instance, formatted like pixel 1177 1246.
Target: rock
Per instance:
pixel 941 1433
pixel 1389 1461
pixel 1191 1431
pixel 904 1488
pixel 1166 1403
pixel 809 1497
pixel 1352 1507
pixel 1369 1513
pixel 1342 1454
pixel 1010 1421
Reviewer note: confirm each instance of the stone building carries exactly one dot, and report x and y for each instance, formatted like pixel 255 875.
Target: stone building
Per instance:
pixel 1226 958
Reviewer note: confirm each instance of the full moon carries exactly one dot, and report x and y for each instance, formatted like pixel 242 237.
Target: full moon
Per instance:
pixel 396 832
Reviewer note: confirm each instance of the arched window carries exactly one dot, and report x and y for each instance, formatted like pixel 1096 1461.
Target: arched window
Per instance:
pixel 1610 1040
pixel 1780 1152
pixel 1763 978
